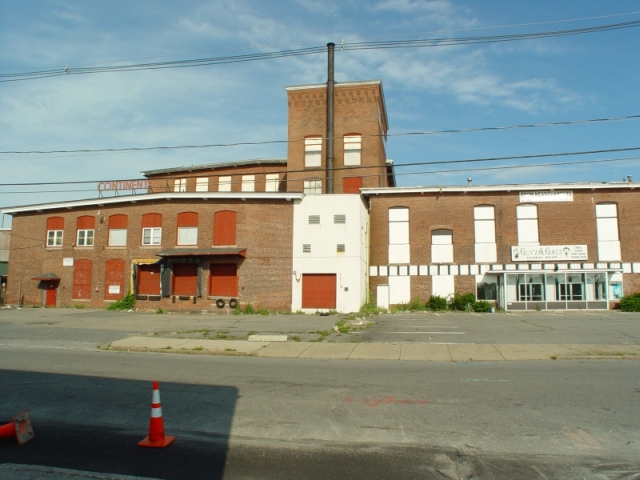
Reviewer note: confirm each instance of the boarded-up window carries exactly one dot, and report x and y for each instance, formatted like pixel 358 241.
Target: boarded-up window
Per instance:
pixel 202 184
pixel 224 184
pixel 248 183
pixel 399 235
pixel 272 182
pixel 442 246
pixel 55 229
pixel 484 224
pixel 351 184
pixel 187 228
pixel 152 220
pixel 82 280
pixel 312 151
pixel 180 185
pixel 224 228
pixel 318 291
pixel 608 234
pixel 114 280
pixel 149 279
pixel 527 216
pixel 223 281
pixel 185 279
pixel 352 150
pixel 118 230
pixel 151 229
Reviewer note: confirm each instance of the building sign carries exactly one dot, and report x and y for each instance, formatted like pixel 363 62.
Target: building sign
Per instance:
pixel 549 253
pixel 123 185
pixel 114 289
pixel 67 262
pixel 546 196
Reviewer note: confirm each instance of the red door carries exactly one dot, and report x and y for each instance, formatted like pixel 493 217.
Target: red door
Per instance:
pixel 319 291
pixel 223 281
pixel 114 280
pixel 185 279
pixel 82 279
pixel 51 290
pixel 149 279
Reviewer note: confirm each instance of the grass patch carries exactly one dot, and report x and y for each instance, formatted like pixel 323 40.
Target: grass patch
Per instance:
pixel 323 334
pixel 299 312
pixel 197 349
pixel 343 327
pixel 221 336
pixel 79 306
pixel 229 349
pixel 160 311
pixel 128 302
pixel 294 338
pixel 262 311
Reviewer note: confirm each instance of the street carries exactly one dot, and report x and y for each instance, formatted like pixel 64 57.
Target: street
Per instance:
pixel 237 417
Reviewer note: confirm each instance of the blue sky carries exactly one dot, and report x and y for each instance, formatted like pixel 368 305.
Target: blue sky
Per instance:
pixel 533 81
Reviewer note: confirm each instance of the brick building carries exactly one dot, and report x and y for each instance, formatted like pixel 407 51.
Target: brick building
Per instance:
pixel 524 247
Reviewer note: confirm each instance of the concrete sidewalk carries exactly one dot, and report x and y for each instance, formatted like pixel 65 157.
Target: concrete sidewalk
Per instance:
pixel 380 351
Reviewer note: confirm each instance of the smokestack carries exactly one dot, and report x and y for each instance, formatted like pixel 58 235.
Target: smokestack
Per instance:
pixel 330 84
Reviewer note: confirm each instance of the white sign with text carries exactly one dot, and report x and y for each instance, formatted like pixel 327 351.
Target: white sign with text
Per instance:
pixel 546 196
pixel 549 253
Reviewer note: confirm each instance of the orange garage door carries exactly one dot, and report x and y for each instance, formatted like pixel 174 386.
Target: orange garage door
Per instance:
pixel 319 290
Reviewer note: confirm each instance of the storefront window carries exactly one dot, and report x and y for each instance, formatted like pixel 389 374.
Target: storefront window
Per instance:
pixel 615 286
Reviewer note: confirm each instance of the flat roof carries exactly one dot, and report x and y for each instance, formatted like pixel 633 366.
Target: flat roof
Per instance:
pixel 500 188
pixel 100 202
pixel 215 166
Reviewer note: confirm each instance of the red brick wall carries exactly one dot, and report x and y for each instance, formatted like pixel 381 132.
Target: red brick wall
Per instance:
pixel 356 111
pixel 264 228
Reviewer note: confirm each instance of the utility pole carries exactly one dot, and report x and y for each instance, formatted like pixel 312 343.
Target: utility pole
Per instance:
pixel 330 117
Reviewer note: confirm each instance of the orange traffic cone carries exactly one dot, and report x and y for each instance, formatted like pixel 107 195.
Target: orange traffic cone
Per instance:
pixel 20 427
pixel 156 436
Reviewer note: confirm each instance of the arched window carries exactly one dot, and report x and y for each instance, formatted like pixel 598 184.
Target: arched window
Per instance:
pixel 187 228
pixel 118 230
pixel 352 149
pixel 442 246
pixel 527 216
pixel 313 151
pixel 224 228
pixel 85 231
pixel 82 271
pixel 55 228
pixel 151 229
pixel 608 233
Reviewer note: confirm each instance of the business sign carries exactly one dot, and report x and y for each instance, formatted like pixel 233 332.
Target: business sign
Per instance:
pixel 549 253
pixel 123 185
pixel 67 262
pixel 546 196
pixel 114 289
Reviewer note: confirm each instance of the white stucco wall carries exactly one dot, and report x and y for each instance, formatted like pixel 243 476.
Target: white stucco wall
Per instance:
pixel 350 267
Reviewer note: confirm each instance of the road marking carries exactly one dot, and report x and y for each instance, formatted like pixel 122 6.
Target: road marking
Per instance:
pixel 480 380
pixel 374 402
pixel 425 326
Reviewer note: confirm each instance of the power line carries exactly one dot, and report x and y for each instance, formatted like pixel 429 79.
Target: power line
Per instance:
pixel 272 142
pixel 433 42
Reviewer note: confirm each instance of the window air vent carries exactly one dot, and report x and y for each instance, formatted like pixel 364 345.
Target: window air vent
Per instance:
pixel 314 219
pixel 306 248
pixel 340 248
pixel 339 219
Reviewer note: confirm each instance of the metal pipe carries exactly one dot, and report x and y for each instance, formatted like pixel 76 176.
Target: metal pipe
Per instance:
pixel 330 117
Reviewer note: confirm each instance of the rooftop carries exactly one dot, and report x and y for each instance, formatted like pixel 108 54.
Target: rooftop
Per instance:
pixel 215 166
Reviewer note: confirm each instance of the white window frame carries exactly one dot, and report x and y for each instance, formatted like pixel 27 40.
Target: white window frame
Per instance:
pixel 484 225
pixel 224 184
pixel 313 152
pixel 352 150
pixel 155 233
pixel 54 240
pixel 441 246
pixel 313 187
pixel 85 237
pixel 180 185
pixel 202 184
pixel 114 241
pixel 248 183
pixel 272 182
pixel 187 236
pixel 527 219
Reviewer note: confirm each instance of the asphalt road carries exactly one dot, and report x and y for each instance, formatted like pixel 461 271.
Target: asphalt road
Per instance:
pixel 245 417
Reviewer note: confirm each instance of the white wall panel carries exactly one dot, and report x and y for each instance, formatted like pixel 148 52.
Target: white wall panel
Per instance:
pixel 609 251
pixel 373 271
pixel 399 290
pixel 606 210
pixel 528 232
pixel 484 212
pixel 398 233
pixel 382 296
pixel 485 231
pixel 399 254
pixel 442 285
pixel 398 214
pixel 442 253
pixel 607 229
pixel 486 252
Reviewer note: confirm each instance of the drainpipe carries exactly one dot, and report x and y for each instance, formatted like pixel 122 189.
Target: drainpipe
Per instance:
pixel 330 84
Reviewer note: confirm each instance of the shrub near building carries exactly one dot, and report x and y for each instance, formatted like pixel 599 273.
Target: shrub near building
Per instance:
pixel 630 303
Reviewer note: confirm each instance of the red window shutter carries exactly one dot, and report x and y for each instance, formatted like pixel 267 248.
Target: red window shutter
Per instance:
pixel 114 275
pixel 224 228
pixel 188 219
pixel 351 184
pixel 118 221
pixel 86 223
pixel 151 220
pixel 55 223
pixel 149 279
